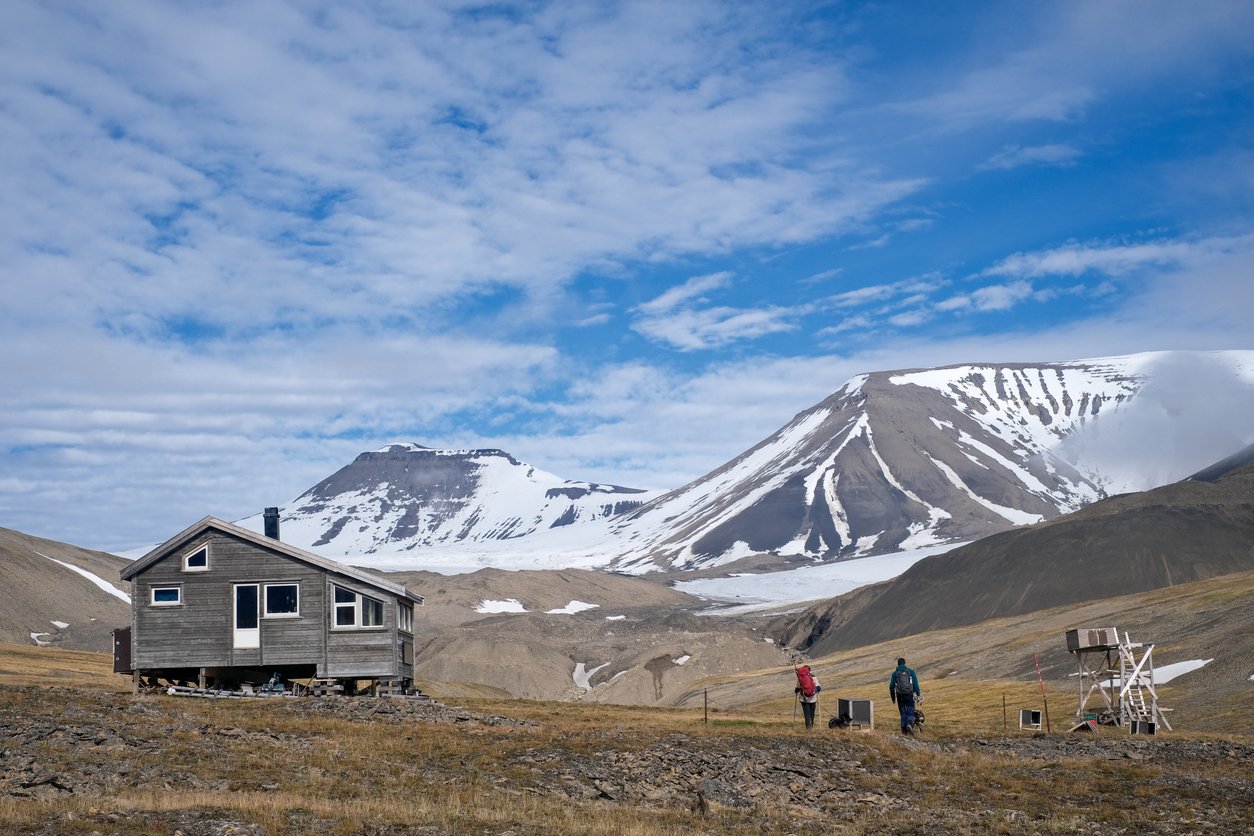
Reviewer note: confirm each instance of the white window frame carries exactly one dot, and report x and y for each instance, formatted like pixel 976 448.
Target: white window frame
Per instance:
pixel 357 608
pixel 265 600
pixel 188 568
pixel 152 596
pixel 405 617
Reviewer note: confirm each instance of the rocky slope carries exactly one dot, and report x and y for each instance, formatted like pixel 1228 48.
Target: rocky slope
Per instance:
pixel 645 656
pixel 1179 533
pixel 55 593
pixel 85 761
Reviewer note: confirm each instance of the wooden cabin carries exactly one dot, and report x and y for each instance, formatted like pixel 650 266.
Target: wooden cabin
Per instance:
pixel 221 604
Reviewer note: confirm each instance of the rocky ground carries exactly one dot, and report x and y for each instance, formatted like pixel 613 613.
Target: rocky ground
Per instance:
pixel 59 746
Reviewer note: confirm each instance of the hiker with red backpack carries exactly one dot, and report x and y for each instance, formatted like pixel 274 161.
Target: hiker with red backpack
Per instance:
pixel 807 691
pixel 903 688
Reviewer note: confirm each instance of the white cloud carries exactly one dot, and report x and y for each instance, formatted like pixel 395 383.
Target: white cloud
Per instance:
pixel 1077 55
pixel 689 330
pixel 908 319
pixel 1000 297
pixel 1077 259
pixel 1050 155
pixel 691 290
pixel 1119 260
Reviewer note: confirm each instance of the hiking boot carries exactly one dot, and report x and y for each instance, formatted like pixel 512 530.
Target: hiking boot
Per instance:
pixel 908 730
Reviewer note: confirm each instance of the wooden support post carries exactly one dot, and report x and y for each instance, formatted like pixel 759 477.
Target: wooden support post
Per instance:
pixel 1005 726
pixel 200 682
pixel 135 681
pixel 706 694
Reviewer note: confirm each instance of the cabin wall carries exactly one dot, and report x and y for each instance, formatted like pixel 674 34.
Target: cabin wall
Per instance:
pixel 199 631
pixel 364 651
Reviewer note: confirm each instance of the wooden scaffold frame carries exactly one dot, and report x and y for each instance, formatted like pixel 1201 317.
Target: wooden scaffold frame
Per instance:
pixel 1128 694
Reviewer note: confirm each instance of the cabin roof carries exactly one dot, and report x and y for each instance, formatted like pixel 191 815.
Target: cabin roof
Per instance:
pixel 198 528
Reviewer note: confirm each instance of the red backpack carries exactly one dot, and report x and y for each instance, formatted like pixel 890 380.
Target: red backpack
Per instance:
pixel 805 681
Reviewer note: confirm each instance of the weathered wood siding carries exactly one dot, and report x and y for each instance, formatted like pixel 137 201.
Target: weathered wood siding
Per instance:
pixel 199 632
pixel 363 651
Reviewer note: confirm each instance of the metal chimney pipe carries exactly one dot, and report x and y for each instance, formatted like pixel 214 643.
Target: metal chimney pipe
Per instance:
pixel 271 517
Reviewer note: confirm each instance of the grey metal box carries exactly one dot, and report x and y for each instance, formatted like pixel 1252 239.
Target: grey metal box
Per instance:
pixel 861 712
pixel 1090 638
pixel 1142 727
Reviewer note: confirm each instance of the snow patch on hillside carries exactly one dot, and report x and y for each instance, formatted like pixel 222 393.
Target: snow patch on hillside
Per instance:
pixel 96 579
pixel 1166 673
pixel 1013 515
pixel 572 608
pixel 583 677
pixel 508 605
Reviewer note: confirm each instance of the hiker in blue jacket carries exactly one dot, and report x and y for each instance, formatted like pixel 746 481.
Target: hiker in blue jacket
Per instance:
pixel 903 688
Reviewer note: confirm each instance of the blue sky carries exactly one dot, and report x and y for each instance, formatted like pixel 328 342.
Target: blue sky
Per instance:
pixel 242 242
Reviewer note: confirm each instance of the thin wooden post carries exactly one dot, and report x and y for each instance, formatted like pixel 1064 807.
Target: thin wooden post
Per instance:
pixel 706 711
pixel 135 681
pixel 1044 698
pixel 1005 723
pixel 200 681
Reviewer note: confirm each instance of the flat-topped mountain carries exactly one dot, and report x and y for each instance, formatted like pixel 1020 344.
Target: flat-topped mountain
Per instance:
pixel 406 496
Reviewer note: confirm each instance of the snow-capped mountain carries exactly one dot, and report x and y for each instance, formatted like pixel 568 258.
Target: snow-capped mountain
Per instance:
pixel 908 459
pixel 406 496
pixel 892 461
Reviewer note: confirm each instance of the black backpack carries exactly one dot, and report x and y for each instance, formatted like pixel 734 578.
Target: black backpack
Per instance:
pixel 902 683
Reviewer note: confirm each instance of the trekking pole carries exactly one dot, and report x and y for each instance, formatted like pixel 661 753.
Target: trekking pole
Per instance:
pixel 796 695
pixel 1044 698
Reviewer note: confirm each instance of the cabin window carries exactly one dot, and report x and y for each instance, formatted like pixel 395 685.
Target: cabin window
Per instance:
pixel 167 596
pixel 354 610
pixel 282 599
pixel 405 618
pixel 197 561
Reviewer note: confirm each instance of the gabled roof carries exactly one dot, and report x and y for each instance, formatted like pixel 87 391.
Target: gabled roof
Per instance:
pixel 196 529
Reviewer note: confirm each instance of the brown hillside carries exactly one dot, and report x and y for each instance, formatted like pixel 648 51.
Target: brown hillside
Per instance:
pixel 38 591
pixel 964 671
pixel 1176 534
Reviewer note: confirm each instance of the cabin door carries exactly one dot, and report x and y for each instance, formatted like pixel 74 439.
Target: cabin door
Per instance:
pixel 247 632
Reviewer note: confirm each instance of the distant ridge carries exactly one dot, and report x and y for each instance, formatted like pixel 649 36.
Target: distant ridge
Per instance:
pixel 1187 531
pixel 1219 469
